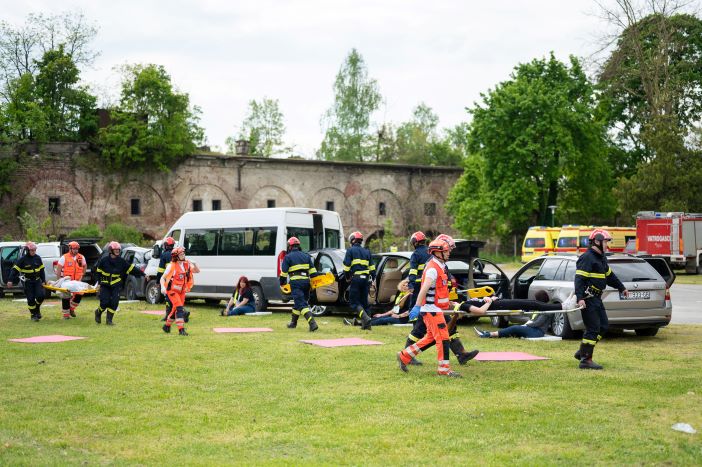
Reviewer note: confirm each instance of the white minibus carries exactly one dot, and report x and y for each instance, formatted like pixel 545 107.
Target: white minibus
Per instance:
pixel 251 243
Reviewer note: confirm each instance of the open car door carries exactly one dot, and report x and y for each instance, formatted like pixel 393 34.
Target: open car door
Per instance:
pixel 663 268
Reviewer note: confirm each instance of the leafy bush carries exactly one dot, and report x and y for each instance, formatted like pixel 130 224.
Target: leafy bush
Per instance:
pixel 86 231
pixel 122 233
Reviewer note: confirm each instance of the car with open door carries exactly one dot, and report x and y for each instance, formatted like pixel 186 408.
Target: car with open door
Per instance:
pixel 467 269
pixel 646 310
pixel 10 252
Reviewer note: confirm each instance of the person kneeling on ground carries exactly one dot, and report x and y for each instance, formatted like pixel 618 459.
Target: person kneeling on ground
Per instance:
pixel 399 314
pixel 537 325
pixel 242 300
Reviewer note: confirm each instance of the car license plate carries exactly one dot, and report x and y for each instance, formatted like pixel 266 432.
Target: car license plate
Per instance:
pixel 637 295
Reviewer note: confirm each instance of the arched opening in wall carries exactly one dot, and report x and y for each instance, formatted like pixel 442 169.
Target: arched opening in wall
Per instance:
pixel 374 242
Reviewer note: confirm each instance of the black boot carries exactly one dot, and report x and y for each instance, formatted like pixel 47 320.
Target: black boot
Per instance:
pixel 577 355
pixel 365 321
pixel 166 328
pixel 463 357
pixel 586 363
pixel 293 321
pixel 109 319
pixel 186 316
pixel 311 322
pixel 98 315
pixel 35 316
pixel 181 332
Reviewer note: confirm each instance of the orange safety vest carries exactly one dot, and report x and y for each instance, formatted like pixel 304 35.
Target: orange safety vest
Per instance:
pixel 71 268
pixel 182 280
pixel 440 295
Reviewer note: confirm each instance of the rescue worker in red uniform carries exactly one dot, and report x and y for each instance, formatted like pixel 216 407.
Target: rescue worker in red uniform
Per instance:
pixel 32 267
pixel 176 281
pixel 592 276
pixel 168 245
pixel 71 265
pixel 434 300
pixel 112 269
pixel 297 269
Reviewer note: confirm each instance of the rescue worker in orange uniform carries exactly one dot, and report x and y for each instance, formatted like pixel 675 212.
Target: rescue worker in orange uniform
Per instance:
pixel 168 245
pixel 71 265
pixel 176 281
pixel 434 300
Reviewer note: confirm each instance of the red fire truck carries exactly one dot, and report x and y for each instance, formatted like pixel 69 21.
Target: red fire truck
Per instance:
pixel 675 236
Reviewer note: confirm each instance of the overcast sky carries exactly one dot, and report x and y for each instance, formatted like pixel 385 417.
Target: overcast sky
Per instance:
pixel 225 53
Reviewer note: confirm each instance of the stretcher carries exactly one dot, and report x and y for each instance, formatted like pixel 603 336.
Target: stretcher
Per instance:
pixel 315 282
pixel 64 288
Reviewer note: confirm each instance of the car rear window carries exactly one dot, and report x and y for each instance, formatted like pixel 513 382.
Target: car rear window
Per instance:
pixel 535 243
pixel 634 270
pixel 568 242
pixel 48 251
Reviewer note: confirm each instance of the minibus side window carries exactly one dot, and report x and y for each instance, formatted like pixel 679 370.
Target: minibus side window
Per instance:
pixel 304 235
pixel 175 235
pixel 332 238
pixel 237 242
pixel 201 242
pixel 265 241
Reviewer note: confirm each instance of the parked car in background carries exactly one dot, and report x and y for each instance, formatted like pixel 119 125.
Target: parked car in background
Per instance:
pixel 391 268
pixel 50 253
pixel 647 309
pixel 135 287
pixel 10 252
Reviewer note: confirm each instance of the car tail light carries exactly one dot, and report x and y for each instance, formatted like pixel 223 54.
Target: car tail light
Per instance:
pixel 55 263
pixel 667 296
pixel 142 267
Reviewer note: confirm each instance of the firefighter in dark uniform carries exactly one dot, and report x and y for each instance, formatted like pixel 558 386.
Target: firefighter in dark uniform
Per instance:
pixel 163 262
pixel 112 269
pixel 592 276
pixel 419 258
pixel 31 266
pixel 296 269
pixel 360 271
pixel 419 328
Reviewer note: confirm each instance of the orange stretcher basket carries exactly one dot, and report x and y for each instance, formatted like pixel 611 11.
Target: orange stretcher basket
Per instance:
pixel 322 280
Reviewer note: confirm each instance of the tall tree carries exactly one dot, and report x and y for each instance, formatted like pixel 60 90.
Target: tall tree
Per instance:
pixel 22 47
pixel 346 123
pixel 154 125
pixel 652 90
pixel 535 141
pixel 263 127
pixel 418 141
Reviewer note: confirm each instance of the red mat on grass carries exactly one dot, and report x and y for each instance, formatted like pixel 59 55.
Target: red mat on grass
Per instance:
pixel 343 342
pixel 243 330
pixel 154 312
pixel 506 356
pixel 44 339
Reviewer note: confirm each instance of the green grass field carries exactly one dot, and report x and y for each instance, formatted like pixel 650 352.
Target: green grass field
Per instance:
pixel 131 394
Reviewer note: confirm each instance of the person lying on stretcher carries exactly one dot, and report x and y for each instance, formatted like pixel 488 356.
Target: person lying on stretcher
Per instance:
pixel 475 306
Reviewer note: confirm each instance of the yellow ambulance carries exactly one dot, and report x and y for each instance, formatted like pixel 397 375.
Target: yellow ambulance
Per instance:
pixel 539 240
pixel 573 239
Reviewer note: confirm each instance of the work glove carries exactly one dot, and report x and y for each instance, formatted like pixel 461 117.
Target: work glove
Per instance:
pixel 414 312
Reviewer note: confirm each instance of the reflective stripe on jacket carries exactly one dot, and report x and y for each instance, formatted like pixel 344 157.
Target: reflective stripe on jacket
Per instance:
pixel 71 268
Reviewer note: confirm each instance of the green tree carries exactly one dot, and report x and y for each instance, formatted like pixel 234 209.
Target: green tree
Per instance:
pixel 23 118
pixel 263 127
pixel 153 125
pixel 418 141
pixel 69 109
pixel 22 47
pixel 535 141
pixel 652 94
pixel 346 123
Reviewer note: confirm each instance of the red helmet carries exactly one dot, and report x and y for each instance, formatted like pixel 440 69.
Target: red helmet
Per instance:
pixel 417 237
pixel 73 245
pixel 439 245
pixel 114 246
pixel 31 246
pixel 293 241
pixel 448 239
pixel 355 237
pixel 169 241
pixel 599 234
pixel 177 251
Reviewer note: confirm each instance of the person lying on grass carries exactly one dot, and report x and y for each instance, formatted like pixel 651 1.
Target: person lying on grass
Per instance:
pixel 535 327
pixel 475 306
